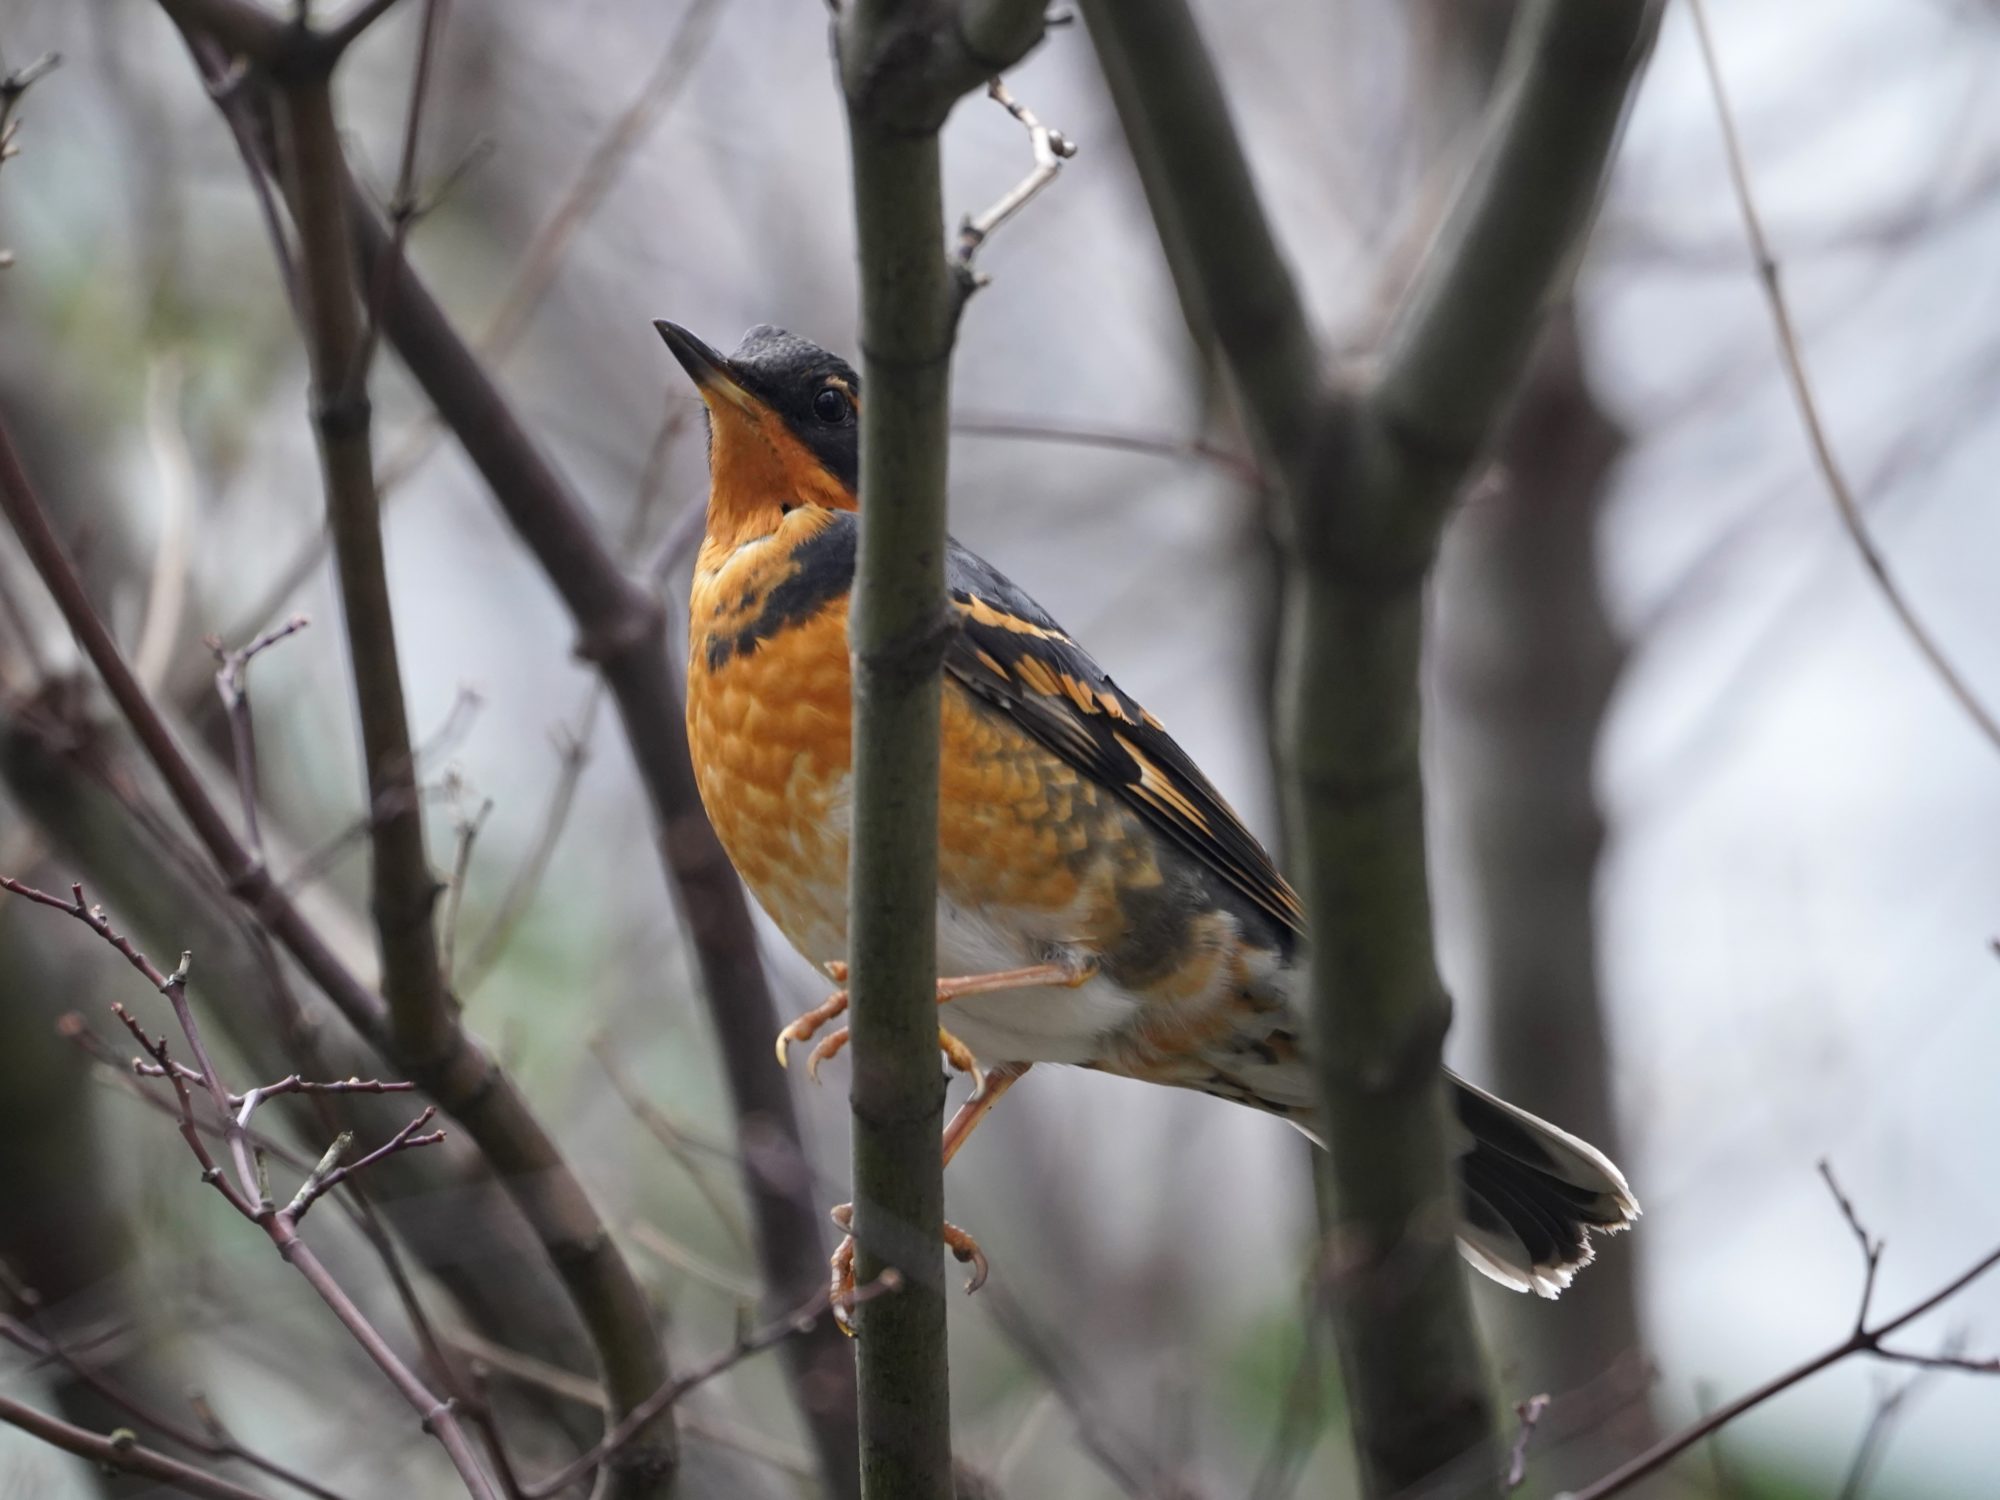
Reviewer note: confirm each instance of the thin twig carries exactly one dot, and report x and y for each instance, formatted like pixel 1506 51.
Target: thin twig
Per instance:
pixel 403 207
pixel 540 262
pixel 1871 1249
pixel 1529 1414
pixel 461 867
pixel 573 748
pixel 120 1452
pixel 1890 1406
pixel 1040 430
pixel 1861 1340
pixel 354 1201
pixel 222 79
pixel 658 1243
pixel 800 1321
pixel 1124 1462
pixel 248 1192
pixel 327 1175
pixel 213 1440
pixel 1793 358
pixel 550 244
pixel 13 86
pixel 1051 147
pixel 669 1135
pixel 232 688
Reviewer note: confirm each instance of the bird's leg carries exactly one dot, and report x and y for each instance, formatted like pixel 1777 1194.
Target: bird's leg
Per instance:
pixel 962 1245
pixel 978 1104
pixel 1069 975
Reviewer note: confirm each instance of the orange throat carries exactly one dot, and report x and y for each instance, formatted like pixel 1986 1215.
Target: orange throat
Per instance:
pixel 758 471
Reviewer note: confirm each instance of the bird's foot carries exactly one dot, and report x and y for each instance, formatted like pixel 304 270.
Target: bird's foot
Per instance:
pixel 841 1293
pixel 809 1025
pixel 1069 975
pixel 956 1053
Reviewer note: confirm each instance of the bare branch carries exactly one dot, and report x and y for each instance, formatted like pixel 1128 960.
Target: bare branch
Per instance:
pixel 13 86
pixel 233 690
pixel 403 206
pixel 327 1174
pixel 243 27
pixel 1871 1249
pixel 669 1135
pixel 1862 1340
pixel 1367 478
pixel 801 1321
pixel 620 624
pixel 1889 1406
pixel 224 87
pixel 248 1192
pixel 1231 274
pixel 120 1452
pixel 899 80
pixel 212 1441
pixel 1041 430
pixel 1793 356
pixel 403 890
pixel 461 867
pixel 602 166
pixel 463 1080
pixel 573 747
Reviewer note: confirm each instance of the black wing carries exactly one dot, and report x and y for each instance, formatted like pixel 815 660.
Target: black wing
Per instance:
pixel 1012 655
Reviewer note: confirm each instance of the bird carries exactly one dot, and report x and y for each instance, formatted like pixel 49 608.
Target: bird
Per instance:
pixel 1099 903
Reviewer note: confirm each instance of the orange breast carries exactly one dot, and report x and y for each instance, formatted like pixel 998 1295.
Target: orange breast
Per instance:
pixel 1023 837
pixel 769 733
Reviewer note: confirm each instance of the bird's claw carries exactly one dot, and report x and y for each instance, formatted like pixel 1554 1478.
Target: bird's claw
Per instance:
pixel 840 1291
pixel 966 1248
pixel 807 1026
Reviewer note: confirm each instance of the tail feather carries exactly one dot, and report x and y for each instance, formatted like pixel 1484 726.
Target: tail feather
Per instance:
pixel 1531 1195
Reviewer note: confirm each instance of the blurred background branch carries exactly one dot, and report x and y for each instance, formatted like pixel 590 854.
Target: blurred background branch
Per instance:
pixel 1367 478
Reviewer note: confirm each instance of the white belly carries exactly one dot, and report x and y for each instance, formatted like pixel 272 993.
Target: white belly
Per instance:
pixel 1047 1024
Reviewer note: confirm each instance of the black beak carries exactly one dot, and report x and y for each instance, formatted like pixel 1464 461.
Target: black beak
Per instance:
pixel 705 367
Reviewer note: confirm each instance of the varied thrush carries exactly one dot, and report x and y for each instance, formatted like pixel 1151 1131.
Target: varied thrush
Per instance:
pixel 1099 903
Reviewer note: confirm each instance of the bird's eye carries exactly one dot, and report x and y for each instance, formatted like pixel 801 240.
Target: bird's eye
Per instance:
pixel 830 406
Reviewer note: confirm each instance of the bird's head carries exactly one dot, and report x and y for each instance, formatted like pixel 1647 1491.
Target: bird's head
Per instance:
pixel 783 424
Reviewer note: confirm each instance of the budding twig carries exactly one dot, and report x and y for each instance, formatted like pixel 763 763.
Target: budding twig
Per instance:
pixel 1051 147
pixel 247 1190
